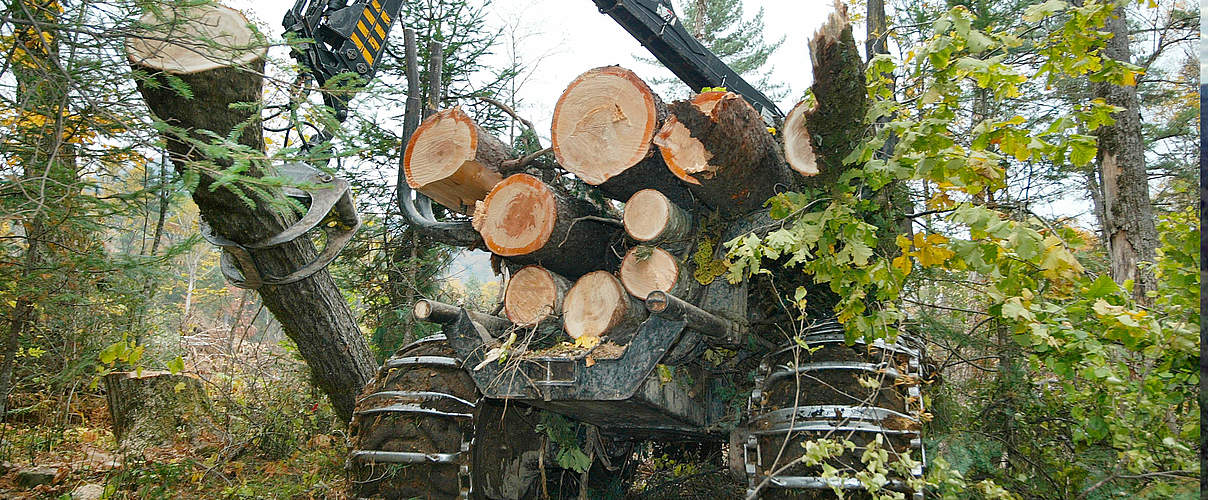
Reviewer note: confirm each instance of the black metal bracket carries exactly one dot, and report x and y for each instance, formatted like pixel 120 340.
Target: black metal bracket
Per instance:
pixel 329 199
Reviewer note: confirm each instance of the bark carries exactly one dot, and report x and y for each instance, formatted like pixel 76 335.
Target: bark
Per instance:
pixel 312 311
pixel 603 128
pixel 454 161
pixel 835 124
pixel 720 146
pixel 526 221
pixel 1131 234
pixel 597 306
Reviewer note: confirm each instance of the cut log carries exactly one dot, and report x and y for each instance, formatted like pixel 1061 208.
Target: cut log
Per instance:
pixel 719 145
pixel 798 148
pixel 597 306
pixel 530 223
pixel 453 160
pixel 603 126
pixel 207 48
pixel 651 218
pixel 533 294
pixel 720 330
pixel 647 269
pixel 440 312
pixel 155 408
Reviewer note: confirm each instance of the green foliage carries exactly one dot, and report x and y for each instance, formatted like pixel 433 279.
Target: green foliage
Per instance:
pixel 1122 375
pixel 563 433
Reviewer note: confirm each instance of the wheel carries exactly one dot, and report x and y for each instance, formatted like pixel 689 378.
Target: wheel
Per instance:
pixel 412 427
pixel 421 430
pixel 859 393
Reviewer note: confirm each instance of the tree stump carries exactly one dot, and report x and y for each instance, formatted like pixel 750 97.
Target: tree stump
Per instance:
pixel 155 408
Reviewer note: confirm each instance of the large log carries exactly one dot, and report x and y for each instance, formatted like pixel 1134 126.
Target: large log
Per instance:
pixel 532 294
pixel 597 306
pixel 530 223
pixel 652 218
pixel 220 57
pixel 453 160
pixel 719 145
pixel 647 269
pixel 603 126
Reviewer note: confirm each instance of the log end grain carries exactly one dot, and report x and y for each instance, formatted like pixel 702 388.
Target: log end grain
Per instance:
pixel 647 214
pixel 603 124
pixel 647 269
pixel 230 40
pixel 798 149
pixel 442 161
pixel 518 216
pixel 595 305
pixel 533 294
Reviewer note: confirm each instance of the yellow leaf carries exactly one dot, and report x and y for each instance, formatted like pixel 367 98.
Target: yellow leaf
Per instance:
pixel 587 342
pixel 902 263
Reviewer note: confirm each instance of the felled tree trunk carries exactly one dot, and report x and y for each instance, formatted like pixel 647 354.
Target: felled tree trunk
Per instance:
pixel 453 160
pixel 647 269
pixel 719 145
pixel 155 408
pixel 652 218
pixel 603 126
pixel 526 221
pixel 597 306
pixel 534 294
pixel 220 57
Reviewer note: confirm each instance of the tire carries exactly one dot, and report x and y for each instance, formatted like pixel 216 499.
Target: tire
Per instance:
pixel 831 403
pixel 433 402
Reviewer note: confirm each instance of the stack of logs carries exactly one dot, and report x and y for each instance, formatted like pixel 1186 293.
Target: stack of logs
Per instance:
pixel 685 171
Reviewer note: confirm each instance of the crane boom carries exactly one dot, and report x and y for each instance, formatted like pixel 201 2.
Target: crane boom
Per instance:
pixel 654 24
pixel 351 37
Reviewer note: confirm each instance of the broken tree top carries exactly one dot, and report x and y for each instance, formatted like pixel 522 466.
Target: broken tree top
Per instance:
pixel 191 39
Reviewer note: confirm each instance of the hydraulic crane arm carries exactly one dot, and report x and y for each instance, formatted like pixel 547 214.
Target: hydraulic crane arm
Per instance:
pixel 350 38
pixel 654 24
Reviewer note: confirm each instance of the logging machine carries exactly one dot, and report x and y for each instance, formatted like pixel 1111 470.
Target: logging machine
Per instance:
pixel 450 416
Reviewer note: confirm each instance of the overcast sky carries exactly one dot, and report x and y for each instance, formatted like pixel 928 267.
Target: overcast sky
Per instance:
pixel 567 37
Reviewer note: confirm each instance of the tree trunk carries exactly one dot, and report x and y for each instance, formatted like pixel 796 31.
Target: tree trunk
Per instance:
pixel 597 306
pixel 603 126
pixel 48 163
pixel 526 221
pixel 835 123
pixel 155 408
pixel 1131 234
pixel 533 294
pixel 719 145
pixel 453 160
pixel 312 311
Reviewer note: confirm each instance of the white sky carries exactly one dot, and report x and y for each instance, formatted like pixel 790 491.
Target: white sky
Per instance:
pixel 572 36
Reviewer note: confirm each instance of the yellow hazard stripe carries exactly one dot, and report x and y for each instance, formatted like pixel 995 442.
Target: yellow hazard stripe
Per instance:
pixel 381 13
pixel 369 17
pixel 361 26
pixel 374 43
pixel 380 32
pixel 356 40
